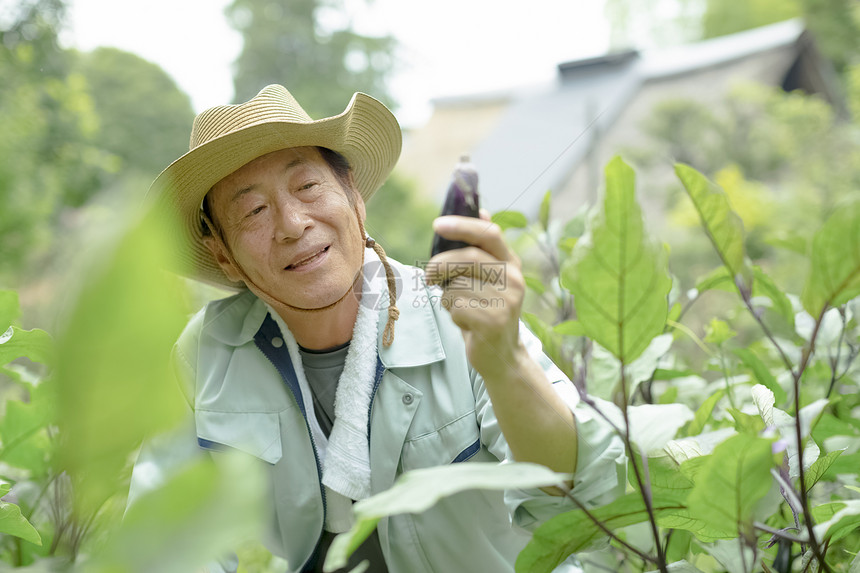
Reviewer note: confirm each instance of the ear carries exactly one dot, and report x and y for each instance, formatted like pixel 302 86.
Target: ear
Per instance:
pixel 217 249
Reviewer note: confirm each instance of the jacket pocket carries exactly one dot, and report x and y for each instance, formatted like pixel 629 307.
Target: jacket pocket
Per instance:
pixel 454 442
pixel 255 433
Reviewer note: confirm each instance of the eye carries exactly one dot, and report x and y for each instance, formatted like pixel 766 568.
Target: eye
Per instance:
pixel 255 211
pixel 308 185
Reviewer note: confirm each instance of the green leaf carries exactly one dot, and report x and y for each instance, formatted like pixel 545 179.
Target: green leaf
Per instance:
pixel 679 545
pixel 22 447
pixel 717 279
pixel 836 520
pixel 535 284
pixel 834 270
pixel 819 467
pixel 703 413
pixel 573 531
pixel 37 345
pixel 669 396
pixel 764 286
pixel 790 242
pixel 731 481
pixel 761 373
pixel 543 212
pixel 829 425
pixel 604 373
pixel 13 523
pixel 510 220
pixel 550 339
pixel 746 423
pixel 418 490
pixel 664 474
pixel 346 543
pixel 567 244
pixel 570 328
pixel 722 225
pixel 675 312
pixel 10 309
pixel 617 274
pixel 844 464
pixel 671 374
pixel 718 331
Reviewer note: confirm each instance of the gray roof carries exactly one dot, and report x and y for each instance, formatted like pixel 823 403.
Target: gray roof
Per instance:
pixel 546 131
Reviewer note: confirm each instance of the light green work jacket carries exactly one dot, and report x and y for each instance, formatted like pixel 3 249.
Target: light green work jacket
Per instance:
pixel 430 408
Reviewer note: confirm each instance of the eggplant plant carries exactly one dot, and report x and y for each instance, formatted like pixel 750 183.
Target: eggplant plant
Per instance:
pixel 744 460
pixel 741 423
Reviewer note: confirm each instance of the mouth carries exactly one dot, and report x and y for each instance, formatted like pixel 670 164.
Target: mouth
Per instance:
pixel 308 261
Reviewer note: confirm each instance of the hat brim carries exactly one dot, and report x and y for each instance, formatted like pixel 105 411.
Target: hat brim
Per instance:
pixel 366 134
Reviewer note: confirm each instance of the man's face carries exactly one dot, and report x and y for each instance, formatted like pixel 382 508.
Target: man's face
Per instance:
pixel 290 226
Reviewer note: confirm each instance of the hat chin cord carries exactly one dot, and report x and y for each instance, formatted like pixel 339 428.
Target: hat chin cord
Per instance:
pixel 393 311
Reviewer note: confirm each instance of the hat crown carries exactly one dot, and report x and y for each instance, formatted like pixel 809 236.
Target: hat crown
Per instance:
pixel 274 103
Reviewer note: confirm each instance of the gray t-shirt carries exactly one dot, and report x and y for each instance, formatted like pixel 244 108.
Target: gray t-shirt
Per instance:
pixel 322 370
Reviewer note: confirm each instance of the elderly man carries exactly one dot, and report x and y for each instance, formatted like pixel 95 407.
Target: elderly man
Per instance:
pixel 337 391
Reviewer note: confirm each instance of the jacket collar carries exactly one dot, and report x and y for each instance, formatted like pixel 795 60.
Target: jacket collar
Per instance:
pixel 235 320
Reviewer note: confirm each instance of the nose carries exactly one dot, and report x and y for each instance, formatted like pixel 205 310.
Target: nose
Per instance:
pixel 291 220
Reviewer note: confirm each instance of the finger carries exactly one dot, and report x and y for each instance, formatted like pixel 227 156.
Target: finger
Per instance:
pixel 486 313
pixel 470 263
pixel 478 232
pixel 484 214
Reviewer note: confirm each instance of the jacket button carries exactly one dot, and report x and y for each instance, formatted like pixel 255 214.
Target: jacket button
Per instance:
pixel 277 342
pixel 408 398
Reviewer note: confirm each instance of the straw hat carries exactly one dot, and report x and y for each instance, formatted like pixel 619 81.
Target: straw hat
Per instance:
pixel 226 137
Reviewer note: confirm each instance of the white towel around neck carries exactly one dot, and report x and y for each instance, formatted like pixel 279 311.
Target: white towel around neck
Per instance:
pixel 345 454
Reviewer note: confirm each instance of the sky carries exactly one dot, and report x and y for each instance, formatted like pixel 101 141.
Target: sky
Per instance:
pixel 447 47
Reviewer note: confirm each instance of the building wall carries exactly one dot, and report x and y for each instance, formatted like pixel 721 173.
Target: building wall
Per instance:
pixel 431 152
pixel 708 86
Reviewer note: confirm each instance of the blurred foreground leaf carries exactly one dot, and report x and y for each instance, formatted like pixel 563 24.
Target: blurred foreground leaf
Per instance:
pixel 199 515
pixel 113 374
pixel 618 276
pixel 418 490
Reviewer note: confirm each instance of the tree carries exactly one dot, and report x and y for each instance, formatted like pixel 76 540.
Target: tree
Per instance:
pixel 144 117
pixel 47 130
pixel 322 66
pixel 71 126
pixel 721 17
pixel 287 43
pixel 835 24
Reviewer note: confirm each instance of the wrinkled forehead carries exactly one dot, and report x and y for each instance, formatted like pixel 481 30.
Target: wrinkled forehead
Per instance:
pixel 277 161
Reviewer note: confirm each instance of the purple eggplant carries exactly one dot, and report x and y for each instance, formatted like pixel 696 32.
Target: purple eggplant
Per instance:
pixel 462 199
